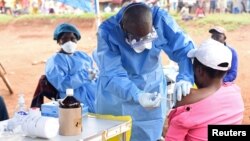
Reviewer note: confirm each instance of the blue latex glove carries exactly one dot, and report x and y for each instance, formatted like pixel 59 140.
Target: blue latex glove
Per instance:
pixel 149 100
pixel 182 88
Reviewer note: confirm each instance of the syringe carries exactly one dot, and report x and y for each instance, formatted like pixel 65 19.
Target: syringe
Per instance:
pixel 164 98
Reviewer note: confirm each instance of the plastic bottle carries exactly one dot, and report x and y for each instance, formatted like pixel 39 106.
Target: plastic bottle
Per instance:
pixel 69 101
pixel 14 124
pixel 21 108
pixel 70 115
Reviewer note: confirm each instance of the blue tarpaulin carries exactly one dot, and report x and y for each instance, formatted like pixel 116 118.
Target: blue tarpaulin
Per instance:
pixel 84 5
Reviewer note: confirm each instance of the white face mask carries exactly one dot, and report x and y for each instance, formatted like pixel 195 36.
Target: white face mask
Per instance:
pixel 142 47
pixel 69 47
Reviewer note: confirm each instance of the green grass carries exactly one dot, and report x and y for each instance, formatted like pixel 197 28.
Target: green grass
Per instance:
pixel 107 15
pixel 8 18
pixel 229 21
pixel 71 16
pixel 5 18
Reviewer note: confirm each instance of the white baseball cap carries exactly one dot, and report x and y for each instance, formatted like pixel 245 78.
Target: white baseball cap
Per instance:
pixel 212 53
pixel 218 29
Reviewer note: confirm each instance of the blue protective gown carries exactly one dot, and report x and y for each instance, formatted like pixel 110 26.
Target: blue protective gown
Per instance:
pixel 70 71
pixel 232 72
pixel 124 73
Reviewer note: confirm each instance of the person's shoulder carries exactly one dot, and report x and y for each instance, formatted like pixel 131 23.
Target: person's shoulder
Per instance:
pixel 233 50
pixel 108 26
pixel 81 53
pixel 194 96
pixel 231 87
pixel 54 60
pixel 230 47
pixel 161 15
pixel 53 56
pixel 158 11
pixel 111 22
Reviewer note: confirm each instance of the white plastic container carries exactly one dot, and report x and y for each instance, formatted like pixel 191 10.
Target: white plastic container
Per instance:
pixel 40 126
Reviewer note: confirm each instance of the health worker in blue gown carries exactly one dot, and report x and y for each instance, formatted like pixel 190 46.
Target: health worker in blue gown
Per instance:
pixel 131 80
pixel 70 68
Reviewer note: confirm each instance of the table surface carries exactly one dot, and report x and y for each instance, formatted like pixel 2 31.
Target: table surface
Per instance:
pixel 93 129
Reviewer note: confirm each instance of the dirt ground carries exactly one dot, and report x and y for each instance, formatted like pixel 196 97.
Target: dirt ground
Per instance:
pixel 26 45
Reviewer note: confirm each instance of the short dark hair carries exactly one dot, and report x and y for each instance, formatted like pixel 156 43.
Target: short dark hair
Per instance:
pixel 210 71
pixel 136 14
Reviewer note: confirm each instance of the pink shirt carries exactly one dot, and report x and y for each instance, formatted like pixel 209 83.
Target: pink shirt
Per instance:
pixel 189 122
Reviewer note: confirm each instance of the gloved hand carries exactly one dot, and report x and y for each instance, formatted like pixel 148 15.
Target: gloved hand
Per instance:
pixel 149 100
pixel 92 74
pixel 182 88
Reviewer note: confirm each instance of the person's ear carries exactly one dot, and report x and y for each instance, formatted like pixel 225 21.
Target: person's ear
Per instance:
pixel 122 25
pixel 59 42
pixel 212 36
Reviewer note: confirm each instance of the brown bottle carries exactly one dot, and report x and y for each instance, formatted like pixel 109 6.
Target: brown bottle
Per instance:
pixel 69 101
pixel 70 115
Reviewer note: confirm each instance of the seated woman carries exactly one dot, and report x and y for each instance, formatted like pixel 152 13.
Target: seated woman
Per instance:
pixel 199 12
pixel 70 68
pixel 214 102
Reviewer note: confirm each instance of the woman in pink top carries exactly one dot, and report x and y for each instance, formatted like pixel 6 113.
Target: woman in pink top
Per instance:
pixel 213 102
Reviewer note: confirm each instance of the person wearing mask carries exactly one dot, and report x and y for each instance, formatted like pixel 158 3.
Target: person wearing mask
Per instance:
pixel 219 34
pixel 214 102
pixel 131 80
pixel 70 68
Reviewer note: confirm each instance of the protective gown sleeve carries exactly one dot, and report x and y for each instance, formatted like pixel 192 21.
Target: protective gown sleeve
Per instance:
pixel 113 76
pixel 232 72
pixel 177 45
pixel 57 72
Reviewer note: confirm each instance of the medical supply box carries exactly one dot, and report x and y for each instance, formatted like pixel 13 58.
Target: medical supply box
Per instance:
pixel 51 109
